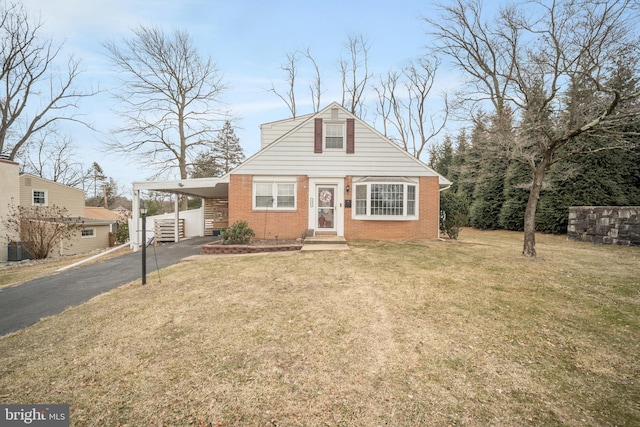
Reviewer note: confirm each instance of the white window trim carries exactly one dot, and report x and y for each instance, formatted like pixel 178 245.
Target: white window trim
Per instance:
pixel 92 236
pixel 325 134
pixel 369 217
pixel 274 181
pixel 46 197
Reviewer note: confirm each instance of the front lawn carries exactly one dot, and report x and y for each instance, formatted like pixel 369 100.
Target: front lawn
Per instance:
pixel 398 334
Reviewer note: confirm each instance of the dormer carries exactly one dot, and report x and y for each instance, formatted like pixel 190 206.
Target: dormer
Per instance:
pixel 336 133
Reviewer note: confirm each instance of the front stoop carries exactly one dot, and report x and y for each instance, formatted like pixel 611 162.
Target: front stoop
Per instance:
pixel 325 243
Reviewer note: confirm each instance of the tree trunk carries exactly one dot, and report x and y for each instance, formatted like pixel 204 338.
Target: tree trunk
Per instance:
pixel 529 249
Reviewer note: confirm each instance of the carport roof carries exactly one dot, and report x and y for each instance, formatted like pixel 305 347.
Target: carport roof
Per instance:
pixel 209 188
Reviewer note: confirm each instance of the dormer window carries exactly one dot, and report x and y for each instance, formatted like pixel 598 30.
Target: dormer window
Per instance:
pixel 334 136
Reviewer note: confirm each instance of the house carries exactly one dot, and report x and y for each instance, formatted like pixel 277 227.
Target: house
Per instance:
pixel 32 191
pixel 327 173
pixel 9 195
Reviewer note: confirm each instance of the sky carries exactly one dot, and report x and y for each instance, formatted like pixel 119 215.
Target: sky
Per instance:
pixel 247 40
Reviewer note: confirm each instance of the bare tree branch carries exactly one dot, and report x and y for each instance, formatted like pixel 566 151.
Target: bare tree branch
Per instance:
pixel 170 98
pixel 32 96
pixel 414 127
pixel 291 69
pixel 355 74
pixel 53 157
pixel 314 85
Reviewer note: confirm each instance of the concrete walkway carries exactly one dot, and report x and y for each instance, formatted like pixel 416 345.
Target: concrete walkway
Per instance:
pixel 25 304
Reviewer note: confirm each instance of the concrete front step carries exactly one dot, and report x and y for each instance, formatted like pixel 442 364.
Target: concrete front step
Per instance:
pixel 325 240
pixel 325 243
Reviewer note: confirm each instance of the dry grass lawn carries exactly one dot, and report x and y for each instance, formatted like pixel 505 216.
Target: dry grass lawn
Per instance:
pixel 399 334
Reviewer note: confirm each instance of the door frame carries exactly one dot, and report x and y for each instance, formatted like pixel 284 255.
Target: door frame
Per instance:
pixel 316 182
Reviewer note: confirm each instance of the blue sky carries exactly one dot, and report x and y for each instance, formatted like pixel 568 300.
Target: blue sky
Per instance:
pixel 248 40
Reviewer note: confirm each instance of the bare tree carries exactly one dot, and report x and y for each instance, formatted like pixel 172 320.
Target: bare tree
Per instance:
pixel 404 110
pixel 33 95
pixel 355 74
pixel 52 157
pixel 529 58
pixel 391 109
pixel 290 67
pixel 41 227
pixel 170 96
pixel 315 84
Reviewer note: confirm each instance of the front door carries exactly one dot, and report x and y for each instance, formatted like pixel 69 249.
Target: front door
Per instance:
pixel 326 218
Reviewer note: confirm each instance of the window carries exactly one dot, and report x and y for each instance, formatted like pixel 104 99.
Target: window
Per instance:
pixel 39 197
pixel 88 232
pixel 386 200
pixel 334 135
pixel 274 195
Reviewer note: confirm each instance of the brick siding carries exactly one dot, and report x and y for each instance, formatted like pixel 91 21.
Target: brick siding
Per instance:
pixel 292 224
pixel 425 228
pixel 268 223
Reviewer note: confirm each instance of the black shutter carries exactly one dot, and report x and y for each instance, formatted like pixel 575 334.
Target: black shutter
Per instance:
pixel 351 136
pixel 317 141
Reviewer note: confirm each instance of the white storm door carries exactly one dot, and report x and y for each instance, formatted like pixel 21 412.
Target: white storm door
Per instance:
pixel 326 211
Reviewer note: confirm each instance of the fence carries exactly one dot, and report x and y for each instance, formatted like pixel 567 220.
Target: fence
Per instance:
pixel 613 225
pixel 191 225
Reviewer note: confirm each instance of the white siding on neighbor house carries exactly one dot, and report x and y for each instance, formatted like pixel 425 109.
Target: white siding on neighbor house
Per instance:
pixel 269 132
pixel 374 155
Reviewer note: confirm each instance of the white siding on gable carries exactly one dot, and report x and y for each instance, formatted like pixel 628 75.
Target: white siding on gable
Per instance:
pixel 269 132
pixel 374 155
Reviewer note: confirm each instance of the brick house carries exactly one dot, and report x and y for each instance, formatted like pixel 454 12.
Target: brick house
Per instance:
pixel 329 172
pixel 332 173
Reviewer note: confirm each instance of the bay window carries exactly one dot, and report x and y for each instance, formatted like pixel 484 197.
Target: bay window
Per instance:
pixel 385 199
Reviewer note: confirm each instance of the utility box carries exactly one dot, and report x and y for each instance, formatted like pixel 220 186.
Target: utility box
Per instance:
pixel 16 251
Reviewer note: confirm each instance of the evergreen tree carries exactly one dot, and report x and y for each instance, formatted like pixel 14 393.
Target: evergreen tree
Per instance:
pixel 227 149
pixel 517 182
pixel 206 165
pixel 488 193
pixel 441 156
pixel 597 175
pixel 96 176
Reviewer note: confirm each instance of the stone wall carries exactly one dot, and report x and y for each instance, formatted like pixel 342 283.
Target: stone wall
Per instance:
pixel 613 225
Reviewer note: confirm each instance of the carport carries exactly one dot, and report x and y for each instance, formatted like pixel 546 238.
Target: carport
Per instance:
pixel 205 188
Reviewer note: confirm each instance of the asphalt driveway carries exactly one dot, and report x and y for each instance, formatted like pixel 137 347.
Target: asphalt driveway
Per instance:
pixel 25 304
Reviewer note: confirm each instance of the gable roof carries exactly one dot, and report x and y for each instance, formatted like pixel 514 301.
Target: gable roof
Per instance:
pixel 101 213
pixel 44 181
pixel 292 153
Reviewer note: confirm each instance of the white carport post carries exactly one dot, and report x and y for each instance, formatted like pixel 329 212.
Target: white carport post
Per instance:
pixel 135 222
pixel 176 224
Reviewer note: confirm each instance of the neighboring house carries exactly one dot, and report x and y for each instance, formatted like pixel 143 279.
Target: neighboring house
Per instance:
pixel 114 217
pixel 32 191
pixel 94 233
pixel 328 172
pixel 9 195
